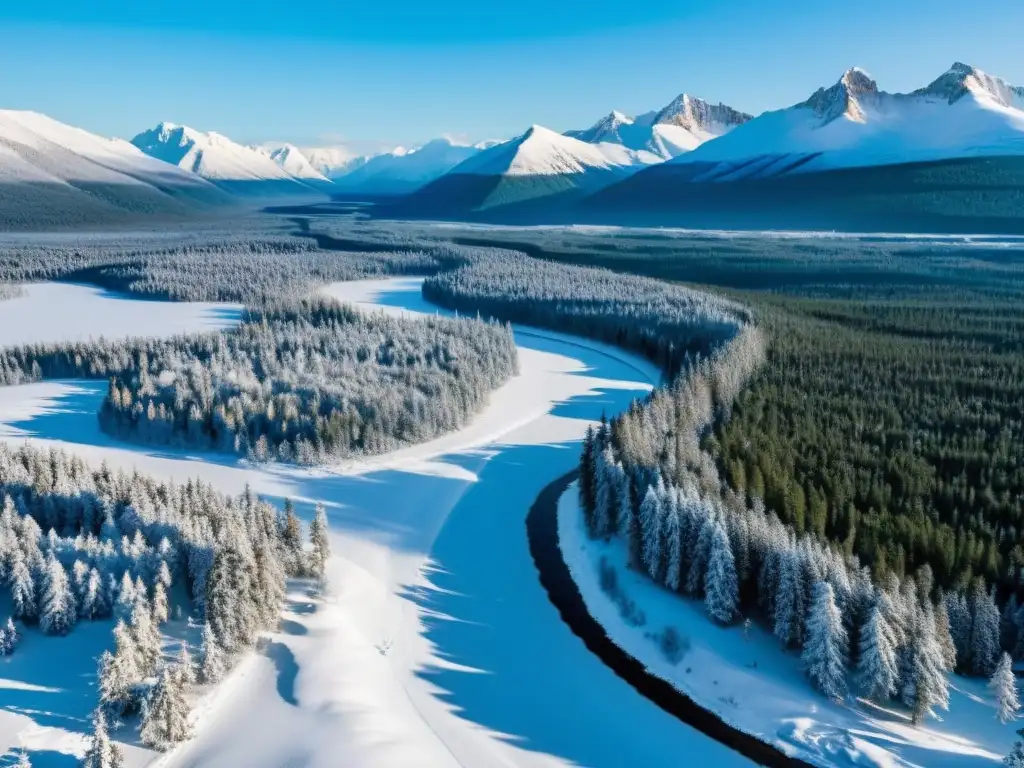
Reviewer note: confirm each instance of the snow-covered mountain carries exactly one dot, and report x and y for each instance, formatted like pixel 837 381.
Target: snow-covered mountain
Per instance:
pixel 294 162
pixel 542 152
pixel 237 168
pixel 682 126
pixel 404 170
pixel 535 166
pixel 52 174
pixel 963 113
pixel 334 162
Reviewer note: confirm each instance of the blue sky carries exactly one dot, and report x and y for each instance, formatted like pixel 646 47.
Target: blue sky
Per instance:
pixel 321 72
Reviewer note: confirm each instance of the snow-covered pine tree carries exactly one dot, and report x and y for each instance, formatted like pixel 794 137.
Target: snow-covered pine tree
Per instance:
pixel 11 635
pixel 607 507
pixel 161 612
pixel 212 657
pixel 186 667
pixel 877 667
pixel 586 483
pixel 102 752
pixel 984 642
pixel 320 552
pixel 930 685
pixel 1004 685
pixel 944 636
pixel 92 595
pixel 788 619
pixel 826 650
pixel 673 545
pixel 624 506
pixel 146 636
pixel 125 596
pixel 165 715
pixel 721 590
pixel 604 491
pixel 23 589
pixel 650 530
pixel 701 556
pixel 118 672
pixel 291 536
pixel 1016 757
pixel 57 612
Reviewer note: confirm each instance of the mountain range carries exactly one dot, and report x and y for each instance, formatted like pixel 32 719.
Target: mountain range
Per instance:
pixel 847 153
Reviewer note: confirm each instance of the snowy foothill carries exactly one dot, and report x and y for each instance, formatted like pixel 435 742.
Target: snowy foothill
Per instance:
pixel 433 642
pixel 741 673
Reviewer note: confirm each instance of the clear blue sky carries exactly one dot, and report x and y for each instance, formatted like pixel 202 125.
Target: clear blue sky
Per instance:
pixel 317 71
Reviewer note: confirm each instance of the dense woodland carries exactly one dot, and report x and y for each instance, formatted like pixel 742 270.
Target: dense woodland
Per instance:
pixel 81 543
pixel 893 427
pixel 312 381
pixel 299 380
pixel 666 323
pixel 888 417
pixel 660 476
pixel 244 269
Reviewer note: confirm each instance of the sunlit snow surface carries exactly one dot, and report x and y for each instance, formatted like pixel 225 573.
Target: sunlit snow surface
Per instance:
pixel 50 312
pixel 435 645
pixel 760 689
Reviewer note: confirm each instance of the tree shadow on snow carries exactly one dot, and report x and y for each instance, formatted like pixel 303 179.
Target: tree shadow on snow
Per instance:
pixel 287 670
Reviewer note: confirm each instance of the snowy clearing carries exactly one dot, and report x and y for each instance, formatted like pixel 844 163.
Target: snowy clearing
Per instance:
pixel 434 644
pixel 757 687
pixel 51 312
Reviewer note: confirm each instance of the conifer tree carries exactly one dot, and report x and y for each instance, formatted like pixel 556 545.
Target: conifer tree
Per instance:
pixel 674 548
pixel 944 636
pixel 160 609
pixel 721 591
pixel 650 530
pixel 319 539
pixel 23 590
pixel 213 661
pixel 984 642
pixel 1016 757
pixel 185 666
pixel 877 667
pixel 165 716
pixel 57 614
pixel 1004 685
pixel 789 601
pixel 291 535
pixel 146 636
pixel 102 752
pixel 930 685
pixel 826 651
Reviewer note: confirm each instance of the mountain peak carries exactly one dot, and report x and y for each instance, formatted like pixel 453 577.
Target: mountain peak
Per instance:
pixel 691 113
pixel 844 99
pixel 963 79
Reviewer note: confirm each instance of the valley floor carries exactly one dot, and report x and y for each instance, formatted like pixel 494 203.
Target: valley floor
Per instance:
pixel 434 643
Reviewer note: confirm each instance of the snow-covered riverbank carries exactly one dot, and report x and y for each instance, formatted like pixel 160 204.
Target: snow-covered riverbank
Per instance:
pixel 435 644
pixel 755 686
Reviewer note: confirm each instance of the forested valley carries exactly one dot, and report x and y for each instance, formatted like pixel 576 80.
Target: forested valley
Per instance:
pixel 845 466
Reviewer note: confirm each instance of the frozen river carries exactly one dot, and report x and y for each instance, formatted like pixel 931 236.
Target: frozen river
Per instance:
pixel 435 644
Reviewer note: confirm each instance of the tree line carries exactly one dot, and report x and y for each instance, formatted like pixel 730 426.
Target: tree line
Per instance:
pixel 298 380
